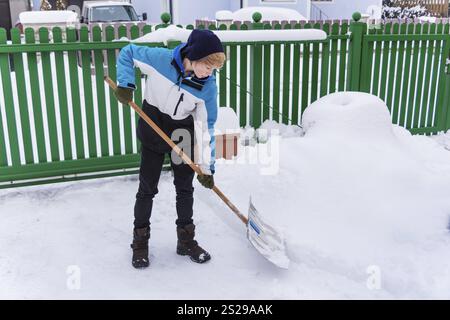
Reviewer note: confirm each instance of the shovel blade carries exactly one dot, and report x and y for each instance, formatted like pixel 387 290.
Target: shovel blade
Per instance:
pixel 266 240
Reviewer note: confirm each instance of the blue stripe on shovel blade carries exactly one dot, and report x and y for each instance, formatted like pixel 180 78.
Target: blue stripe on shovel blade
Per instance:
pixel 253 225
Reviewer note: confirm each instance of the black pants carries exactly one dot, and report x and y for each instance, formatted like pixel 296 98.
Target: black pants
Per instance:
pixel 152 158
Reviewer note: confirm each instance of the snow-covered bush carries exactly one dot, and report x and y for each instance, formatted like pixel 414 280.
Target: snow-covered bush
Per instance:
pixel 393 10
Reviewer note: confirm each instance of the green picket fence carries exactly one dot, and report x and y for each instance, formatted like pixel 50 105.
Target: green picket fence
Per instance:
pixel 406 65
pixel 63 123
pixel 60 122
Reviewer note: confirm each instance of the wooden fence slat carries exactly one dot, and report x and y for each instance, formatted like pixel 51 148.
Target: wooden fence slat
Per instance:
pixel 256 86
pixel 62 96
pixel 36 98
pixel 315 68
pixel 243 83
pixel 9 104
pixel 75 93
pixel 377 64
pixel 266 78
pixel 385 64
pixel 49 98
pixel 428 64
pixel 86 66
pixel 366 65
pixel 334 58
pixel 286 79
pixel 392 68
pixel 342 58
pixel 296 82
pixel 399 83
pixel 233 77
pixel 325 62
pixel 22 98
pixel 443 103
pixel 407 77
pixel 99 70
pixel 113 104
pixel 223 83
pixel 276 79
pixel 437 47
pixel 305 73
pixel 420 78
pixel 414 70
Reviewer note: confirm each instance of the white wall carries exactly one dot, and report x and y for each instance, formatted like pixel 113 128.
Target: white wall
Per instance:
pixel 302 6
pixel 16 7
pixel 186 11
pixel 36 5
pixel 343 9
pixel 153 8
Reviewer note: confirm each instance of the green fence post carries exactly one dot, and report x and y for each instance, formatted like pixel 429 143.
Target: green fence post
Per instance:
pixel 256 75
pixel 443 115
pixel 357 29
pixel 165 18
pixel 447 105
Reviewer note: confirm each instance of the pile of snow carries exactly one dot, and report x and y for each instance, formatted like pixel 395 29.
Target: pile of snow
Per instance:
pixel 365 214
pixel 349 114
pixel 227 122
pixel 443 139
pixel 356 194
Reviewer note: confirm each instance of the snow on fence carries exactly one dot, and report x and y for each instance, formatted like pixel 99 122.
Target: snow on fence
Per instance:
pixel 59 121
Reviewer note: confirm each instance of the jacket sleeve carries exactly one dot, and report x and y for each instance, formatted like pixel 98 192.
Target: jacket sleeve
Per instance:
pixel 135 56
pixel 205 116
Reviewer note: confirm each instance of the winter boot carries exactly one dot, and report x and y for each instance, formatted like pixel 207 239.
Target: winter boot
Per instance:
pixel 140 247
pixel 187 246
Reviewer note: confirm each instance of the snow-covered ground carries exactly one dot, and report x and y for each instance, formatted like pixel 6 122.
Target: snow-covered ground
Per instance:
pixel 363 205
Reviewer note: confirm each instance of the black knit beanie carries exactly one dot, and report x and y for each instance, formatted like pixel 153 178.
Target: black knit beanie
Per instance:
pixel 202 43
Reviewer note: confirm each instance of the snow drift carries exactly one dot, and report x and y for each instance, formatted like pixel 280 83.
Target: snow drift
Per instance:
pixel 357 199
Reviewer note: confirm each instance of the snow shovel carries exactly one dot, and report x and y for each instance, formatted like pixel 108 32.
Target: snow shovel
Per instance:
pixel 266 240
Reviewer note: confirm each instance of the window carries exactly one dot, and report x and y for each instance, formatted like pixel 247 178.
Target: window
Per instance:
pixel 113 13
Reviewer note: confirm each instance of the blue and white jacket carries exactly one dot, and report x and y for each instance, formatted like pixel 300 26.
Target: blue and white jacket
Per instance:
pixel 173 93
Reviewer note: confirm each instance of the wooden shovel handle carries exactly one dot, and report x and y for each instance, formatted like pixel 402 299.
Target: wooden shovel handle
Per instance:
pixel 178 151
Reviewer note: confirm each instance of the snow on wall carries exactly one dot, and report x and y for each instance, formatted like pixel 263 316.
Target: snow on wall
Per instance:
pixel 52 16
pixel 180 34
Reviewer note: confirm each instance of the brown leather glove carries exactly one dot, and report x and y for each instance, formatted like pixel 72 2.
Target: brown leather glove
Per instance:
pixel 206 180
pixel 124 95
